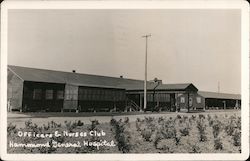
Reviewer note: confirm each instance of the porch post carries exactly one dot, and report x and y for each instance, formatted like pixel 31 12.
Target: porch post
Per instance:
pixel 140 101
pixel 157 96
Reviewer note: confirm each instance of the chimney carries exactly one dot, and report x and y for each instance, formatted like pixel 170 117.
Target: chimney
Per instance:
pixel 121 76
pixel 73 71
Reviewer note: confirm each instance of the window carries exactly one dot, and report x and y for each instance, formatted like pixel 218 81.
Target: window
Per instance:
pixel 49 94
pixel 37 94
pixel 198 99
pixel 67 96
pixel 182 99
pixel 60 94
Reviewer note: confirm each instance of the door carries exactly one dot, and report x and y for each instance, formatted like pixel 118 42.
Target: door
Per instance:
pixel 190 101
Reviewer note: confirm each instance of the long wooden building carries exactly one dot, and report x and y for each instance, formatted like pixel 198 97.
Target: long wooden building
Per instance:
pixel 31 90
pixel 213 100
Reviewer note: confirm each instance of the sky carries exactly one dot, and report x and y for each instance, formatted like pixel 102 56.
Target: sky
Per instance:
pixel 187 46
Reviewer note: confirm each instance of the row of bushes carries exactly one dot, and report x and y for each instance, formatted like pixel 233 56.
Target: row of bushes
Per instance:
pixel 122 136
pixel 153 131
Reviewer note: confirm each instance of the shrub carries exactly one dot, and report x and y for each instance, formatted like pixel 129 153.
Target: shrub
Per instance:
pixel 151 126
pixel 195 149
pixel 158 138
pixel 211 122
pixel 180 121
pixel 45 127
pixel 216 128
pixel 218 144
pixel 126 120
pixel 237 138
pixel 79 123
pixel 232 117
pixel 201 116
pixel 238 123
pixel 146 134
pixel 185 118
pixel 93 125
pixel 164 148
pixel 160 119
pixel 30 126
pixel 11 129
pixel 190 120
pixel 178 117
pixel 201 128
pixel 137 124
pixel 177 139
pixel 184 131
pixel 112 122
pixel 230 128
pixel 209 117
pixel 53 124
pixel 169 133
pixel 122 137
pixel 149 120
pixel 69 126
pixel 123 143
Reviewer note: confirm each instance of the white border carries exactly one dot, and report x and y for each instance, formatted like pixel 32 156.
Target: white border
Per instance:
pixel 242 5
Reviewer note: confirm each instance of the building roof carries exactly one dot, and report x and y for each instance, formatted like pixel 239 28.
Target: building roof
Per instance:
pixel 219 95
pixel 167 87
pixel 51 76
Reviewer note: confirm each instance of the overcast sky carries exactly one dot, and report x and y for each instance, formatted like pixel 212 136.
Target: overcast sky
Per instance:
pixel 197 46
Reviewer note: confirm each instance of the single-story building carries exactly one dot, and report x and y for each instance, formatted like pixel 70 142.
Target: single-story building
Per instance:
pixel 31 89
pixel 163 96
pixel 214 100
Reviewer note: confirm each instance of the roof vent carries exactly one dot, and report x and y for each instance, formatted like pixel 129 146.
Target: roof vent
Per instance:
pixel 121 76
pixel 73 71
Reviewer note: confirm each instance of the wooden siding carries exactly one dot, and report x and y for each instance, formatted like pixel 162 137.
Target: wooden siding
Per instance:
pixel 14 91
pixel 195 101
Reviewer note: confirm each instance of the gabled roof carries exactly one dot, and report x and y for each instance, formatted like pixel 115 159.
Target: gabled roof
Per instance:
pixel 167 87
pixel 51 76
pixel 183 86
pixel 219 95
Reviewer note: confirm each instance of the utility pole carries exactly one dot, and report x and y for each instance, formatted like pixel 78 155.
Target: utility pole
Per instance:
pixel 145 80
pixel 219 87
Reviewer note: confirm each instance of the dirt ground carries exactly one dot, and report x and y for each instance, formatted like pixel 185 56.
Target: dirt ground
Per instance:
pixel 19 119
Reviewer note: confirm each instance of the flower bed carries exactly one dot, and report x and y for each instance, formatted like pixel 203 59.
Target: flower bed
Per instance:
pixel 197 133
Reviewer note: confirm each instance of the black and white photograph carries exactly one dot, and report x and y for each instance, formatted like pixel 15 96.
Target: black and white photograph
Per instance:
pixel 95 78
